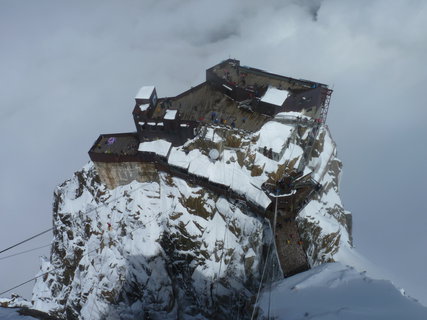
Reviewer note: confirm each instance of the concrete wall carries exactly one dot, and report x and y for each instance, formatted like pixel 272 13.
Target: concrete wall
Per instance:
pixel 122 173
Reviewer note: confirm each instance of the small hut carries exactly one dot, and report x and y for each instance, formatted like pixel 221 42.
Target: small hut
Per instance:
pixel 145 103
pixel 272 101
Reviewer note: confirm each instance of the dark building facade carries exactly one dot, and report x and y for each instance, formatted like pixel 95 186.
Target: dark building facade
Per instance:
pixel 232 95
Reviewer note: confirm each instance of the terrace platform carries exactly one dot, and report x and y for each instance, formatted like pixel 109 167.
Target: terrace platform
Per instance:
pixel 115 147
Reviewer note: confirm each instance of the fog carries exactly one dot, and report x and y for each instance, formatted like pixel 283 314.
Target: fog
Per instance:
pixel 70 70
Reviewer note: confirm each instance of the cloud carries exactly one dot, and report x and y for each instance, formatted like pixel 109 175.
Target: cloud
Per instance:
pixel 70 71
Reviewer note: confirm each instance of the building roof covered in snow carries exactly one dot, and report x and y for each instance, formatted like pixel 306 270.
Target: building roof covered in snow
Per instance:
pixel 170 114
pixel 145 92
pixel 274 135
pixel 159 147
pixel 144 107
pixel 275 96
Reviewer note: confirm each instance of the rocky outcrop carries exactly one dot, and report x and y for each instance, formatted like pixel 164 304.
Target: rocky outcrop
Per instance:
pixel 168 249
pixel 324 224
pixel 164 249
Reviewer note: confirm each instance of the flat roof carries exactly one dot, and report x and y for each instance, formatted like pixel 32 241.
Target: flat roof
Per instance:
pixel 275 96
pixel 160 147
pixel 121 144
pixel 145 92
pixel 144 106
pixel 170 114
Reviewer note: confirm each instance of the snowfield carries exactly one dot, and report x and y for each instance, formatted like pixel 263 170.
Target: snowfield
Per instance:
pixel 335 291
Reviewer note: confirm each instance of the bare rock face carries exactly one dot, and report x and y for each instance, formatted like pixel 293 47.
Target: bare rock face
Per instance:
pixel 324 224
pixel 168 249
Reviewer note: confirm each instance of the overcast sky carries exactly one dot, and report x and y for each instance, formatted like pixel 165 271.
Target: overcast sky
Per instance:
pixel 69 71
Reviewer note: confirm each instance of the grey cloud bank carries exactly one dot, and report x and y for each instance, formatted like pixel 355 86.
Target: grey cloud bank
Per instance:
pixel 70 71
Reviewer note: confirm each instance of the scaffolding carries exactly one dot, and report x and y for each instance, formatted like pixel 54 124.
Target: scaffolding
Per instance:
pixel 325 100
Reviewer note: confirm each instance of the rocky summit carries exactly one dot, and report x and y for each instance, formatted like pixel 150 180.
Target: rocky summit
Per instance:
pixel 221 190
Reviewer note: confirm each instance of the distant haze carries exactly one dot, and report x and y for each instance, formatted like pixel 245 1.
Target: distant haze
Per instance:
pixel 70 70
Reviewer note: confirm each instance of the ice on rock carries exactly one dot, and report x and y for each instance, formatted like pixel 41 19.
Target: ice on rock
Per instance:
pixel 150 246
